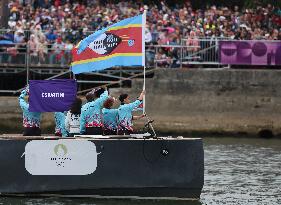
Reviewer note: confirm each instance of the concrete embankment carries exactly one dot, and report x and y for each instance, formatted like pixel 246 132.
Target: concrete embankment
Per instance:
pixel 195 101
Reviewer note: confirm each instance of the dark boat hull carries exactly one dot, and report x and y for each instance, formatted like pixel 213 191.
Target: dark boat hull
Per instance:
pixel 127 168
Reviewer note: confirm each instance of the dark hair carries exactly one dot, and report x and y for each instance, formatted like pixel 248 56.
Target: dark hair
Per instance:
pixel 108 103
pixel 122 97
pixel 98 92
pixel 76 106
pixel 90 96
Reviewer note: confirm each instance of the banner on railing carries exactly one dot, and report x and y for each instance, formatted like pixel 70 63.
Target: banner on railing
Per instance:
pixel 250 52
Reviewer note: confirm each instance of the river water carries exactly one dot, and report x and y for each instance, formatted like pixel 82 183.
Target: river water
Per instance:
pixel 237 171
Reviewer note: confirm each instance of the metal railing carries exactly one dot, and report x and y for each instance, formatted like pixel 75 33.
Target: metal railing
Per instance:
pixel 204 51
pixel 50 57
pixel 156 56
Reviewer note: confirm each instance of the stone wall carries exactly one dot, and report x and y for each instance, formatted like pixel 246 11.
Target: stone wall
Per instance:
pixel 233 101
pixel 205 101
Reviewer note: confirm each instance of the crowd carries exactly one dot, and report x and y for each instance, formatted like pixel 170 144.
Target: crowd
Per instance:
pixel 62 23
pixel 96 117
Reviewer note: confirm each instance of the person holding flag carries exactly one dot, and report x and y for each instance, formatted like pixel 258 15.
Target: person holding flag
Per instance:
pixel 91 118
pixel 31 120
pixel 125 117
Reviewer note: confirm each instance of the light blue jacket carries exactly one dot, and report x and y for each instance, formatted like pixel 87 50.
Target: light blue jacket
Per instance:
pixel 125 115
pixel 91 113
pixel 30 119
pixel 110 119
pixel 85 106
pixel 60 121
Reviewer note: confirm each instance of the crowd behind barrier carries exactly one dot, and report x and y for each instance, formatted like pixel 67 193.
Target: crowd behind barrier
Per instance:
pixel 206 51
pixel 50 29
pixel 72 19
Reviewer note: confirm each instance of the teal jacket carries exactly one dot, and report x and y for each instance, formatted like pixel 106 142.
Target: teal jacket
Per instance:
pixel 110 119
pixel 60 121
pixel 91 113
pixel 125 115
pixel 30 119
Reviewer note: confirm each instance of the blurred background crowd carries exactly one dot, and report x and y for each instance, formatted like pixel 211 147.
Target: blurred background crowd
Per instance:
pixel 57 25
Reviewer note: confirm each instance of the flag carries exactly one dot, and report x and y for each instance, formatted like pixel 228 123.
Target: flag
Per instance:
pixel 51 95
pixel 121 44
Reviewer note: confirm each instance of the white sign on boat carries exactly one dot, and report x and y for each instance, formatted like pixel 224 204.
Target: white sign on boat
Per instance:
pixel 60 157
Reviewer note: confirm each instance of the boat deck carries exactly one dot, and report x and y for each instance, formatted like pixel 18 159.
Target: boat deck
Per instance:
pixel 89 137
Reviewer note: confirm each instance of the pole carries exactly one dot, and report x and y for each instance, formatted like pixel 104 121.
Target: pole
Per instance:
pixel 27 63
pixel 143 56
pixel 143 89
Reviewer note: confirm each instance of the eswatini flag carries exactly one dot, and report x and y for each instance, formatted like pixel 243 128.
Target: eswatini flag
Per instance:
pixel 121 44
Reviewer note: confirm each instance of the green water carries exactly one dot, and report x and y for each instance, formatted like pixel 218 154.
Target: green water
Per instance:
pixel 237 171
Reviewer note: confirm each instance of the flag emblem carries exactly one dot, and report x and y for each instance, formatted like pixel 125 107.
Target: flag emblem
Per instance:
pixel 105 43
pixel 131 42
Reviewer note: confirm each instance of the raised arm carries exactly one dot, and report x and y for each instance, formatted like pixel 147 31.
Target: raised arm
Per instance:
pixel 24 105
pixel 138 117
pixel 142 95
pixel 135 104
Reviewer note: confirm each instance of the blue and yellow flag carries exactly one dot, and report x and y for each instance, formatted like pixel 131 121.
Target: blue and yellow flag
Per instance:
pixel 121 44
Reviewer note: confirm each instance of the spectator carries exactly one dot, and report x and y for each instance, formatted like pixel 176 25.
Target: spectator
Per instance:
pixel 51 36
pixel 193 42
pixel 33 49
pixel 57 52
pixel 19 36
pixel 162 59
pixel 68 49
pixel 42 49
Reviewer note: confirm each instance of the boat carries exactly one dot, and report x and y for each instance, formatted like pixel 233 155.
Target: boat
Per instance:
pixel 138 167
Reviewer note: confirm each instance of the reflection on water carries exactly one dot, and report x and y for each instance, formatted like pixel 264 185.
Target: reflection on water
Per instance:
pixel 237 171
pixel 242 171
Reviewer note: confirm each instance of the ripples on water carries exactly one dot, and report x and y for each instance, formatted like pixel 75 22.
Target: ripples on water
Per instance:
pixel 237 171
pixel 242 171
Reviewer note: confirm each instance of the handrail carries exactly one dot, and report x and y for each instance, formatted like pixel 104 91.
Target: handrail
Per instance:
pixel 202 53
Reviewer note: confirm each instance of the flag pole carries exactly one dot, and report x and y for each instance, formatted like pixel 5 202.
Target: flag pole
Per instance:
pixel 143 56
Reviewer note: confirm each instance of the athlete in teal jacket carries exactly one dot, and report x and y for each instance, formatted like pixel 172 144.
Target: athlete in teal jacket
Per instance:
pixel 125 117
pixel 109 116
pixel 91 119
pixel 31 120
pixel 60 127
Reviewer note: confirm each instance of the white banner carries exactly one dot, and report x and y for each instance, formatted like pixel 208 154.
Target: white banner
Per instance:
pixel 60 157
